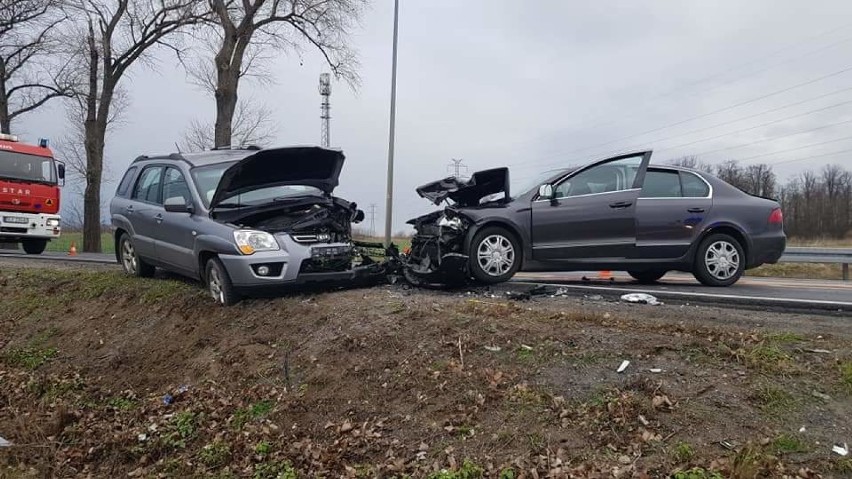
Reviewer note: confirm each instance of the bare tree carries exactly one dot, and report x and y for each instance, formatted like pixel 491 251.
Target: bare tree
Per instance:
pixel 245 28
pixel 253 125
pixel 114 36
pixel 692 162
pixel 30 72
pixel 759 180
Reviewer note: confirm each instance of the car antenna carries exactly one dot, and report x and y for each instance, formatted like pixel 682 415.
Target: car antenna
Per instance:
pixel 178 148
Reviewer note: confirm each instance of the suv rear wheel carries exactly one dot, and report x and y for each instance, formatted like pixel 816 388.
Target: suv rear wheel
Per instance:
pixel 130 261
pixel 34 246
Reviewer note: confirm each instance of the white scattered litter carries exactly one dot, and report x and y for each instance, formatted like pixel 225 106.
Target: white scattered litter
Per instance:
pixel 142 437
pixel 493 349
pixel 4 443
pixel 841 449
pixel 802 429
pixel 819 351
pixel 623 366
pixel 655 370
pixel 640 298
pixel 528 348
pixel 820 395
pixel 643 420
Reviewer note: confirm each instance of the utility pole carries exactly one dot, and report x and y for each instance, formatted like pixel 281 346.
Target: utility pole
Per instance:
pixel 325 109
pixel 456 166
pixel 389 202
pixel 372 220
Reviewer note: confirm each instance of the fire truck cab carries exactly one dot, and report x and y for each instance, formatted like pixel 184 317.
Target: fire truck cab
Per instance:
pixel 29 194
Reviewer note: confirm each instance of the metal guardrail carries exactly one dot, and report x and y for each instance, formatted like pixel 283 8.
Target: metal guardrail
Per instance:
pixel 842 256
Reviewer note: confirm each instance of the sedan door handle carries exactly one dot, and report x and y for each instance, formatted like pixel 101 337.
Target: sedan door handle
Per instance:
pixel 159 218
pixel 129 209
pixel 621 204
pixel 696 210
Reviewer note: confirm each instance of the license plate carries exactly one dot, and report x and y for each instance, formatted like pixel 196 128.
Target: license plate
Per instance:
pixel 329 251
pixel 16 219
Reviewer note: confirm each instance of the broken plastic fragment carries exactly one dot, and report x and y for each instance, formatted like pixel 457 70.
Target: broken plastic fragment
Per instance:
pixel 623 366
pixel 727 444
pixel 655 370
pixel 4 443
pixel 493 349
pixel 819 351
pixel 841 449
pixel 640 298
pixel 528 348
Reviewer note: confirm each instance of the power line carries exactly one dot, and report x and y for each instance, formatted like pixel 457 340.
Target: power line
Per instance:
pixel 704 115
pixel 795 149
pixel 372 220
pixel 813 157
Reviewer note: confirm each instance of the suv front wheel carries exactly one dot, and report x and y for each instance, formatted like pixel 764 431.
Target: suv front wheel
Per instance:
pixel 219 283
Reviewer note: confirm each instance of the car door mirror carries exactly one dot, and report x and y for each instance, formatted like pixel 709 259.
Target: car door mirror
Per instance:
pixel 545 192
pixel 177 204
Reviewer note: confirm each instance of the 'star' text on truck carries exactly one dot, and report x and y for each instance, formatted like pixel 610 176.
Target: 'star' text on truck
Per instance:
pixel 29 194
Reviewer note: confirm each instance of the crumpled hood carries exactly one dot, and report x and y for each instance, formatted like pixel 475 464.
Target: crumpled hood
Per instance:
pixel 306 166
pixel 467 192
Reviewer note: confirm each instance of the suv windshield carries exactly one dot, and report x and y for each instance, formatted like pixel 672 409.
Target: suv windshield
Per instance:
pixel 19 166
pixel 207 180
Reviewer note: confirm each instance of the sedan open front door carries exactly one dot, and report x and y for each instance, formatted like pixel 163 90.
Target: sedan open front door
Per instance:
pixel 591 213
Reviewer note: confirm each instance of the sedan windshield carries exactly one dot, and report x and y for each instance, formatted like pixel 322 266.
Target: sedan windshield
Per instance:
pixel 19 166
pixel 207 180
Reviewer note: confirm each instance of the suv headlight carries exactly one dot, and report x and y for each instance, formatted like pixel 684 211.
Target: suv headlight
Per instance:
pixel 249 241
pixel 454 223
pixel 52 222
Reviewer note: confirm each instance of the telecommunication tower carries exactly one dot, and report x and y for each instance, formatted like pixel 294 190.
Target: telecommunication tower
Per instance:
pixel 456 166
pixel 325 109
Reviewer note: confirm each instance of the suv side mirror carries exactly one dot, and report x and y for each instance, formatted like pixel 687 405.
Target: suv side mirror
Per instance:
pixel 177 204
pixel 545 192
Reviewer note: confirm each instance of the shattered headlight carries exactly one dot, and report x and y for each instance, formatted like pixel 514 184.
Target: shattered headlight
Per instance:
pixel 249 241
pixel 454 223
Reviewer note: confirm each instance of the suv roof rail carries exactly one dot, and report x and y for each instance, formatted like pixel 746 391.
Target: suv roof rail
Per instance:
pixel 140 158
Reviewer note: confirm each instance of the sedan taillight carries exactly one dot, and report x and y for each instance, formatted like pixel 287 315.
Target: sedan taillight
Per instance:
pixel 776 217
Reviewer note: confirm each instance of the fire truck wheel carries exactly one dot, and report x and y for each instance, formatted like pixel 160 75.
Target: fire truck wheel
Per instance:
pixel 34 246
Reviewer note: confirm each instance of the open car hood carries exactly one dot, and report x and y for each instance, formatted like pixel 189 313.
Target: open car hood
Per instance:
pixel 467 192
pixel 306 166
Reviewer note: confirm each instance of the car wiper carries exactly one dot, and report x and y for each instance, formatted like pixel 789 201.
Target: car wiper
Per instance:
pixel 229 205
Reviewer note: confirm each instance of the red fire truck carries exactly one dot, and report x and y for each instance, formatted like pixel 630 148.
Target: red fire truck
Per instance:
pixel 29 194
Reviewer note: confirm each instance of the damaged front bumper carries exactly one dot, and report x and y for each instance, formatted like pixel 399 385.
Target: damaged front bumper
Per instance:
pixel 437 253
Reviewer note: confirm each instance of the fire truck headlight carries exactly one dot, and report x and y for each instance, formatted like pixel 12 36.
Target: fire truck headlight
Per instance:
pixel 52 222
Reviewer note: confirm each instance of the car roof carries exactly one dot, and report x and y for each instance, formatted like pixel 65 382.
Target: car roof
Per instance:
pixel 215 156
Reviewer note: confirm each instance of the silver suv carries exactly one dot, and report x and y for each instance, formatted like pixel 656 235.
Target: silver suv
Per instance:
pixel 238 219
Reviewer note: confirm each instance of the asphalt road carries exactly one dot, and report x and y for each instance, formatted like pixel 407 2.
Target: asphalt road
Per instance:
pixel 785 293
pixel 764 293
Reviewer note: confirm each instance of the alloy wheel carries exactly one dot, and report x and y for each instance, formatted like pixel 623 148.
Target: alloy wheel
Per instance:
pixel 722 260
pixel 215 285
pixel 128 256
pixel 495 255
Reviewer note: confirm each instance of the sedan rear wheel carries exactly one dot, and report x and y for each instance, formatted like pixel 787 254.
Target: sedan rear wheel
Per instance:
pixel 720 261
pixel 494 255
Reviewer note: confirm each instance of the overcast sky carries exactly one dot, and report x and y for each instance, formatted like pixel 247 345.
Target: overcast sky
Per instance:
pixel 502 83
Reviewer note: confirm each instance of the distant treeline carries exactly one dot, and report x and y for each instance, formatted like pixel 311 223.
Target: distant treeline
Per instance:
pixel 816 204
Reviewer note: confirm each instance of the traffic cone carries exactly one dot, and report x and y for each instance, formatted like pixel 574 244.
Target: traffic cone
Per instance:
pixel 72 251
pixel 605 275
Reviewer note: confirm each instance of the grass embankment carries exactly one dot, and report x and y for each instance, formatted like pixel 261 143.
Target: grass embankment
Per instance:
pixel 63 243
pixel 392 382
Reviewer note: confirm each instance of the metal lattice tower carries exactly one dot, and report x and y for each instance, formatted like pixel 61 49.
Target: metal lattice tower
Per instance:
pixel 373 220
pixel 325 109
pixel 456 166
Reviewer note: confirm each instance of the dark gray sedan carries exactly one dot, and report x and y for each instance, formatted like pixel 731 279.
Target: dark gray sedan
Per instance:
pixel 617 214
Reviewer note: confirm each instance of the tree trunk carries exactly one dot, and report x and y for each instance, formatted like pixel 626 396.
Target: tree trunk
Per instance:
pixel 5 121
pixel 226 104
pixel 94 146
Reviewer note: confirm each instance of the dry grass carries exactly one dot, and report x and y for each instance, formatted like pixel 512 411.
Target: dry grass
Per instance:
pixel 798 270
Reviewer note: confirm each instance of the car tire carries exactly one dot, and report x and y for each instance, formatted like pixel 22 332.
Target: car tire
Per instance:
pixel 495 255
pixel 34 246
pixel 719 261
pixel 130 261
pixel 218 283
pixel 647 277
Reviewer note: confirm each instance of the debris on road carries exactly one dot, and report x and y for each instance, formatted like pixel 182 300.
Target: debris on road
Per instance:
pixel 623 366
pixel 640 298
pixel 841 449
pixel 4 442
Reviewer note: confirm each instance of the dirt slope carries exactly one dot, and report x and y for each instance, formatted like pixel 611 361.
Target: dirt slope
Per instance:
pixel 392 382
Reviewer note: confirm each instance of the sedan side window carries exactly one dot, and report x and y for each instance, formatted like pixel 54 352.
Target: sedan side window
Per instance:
pixel 661 184
pixel 617 175
pixel 174 185
pixel 693 186
pixel 148 187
